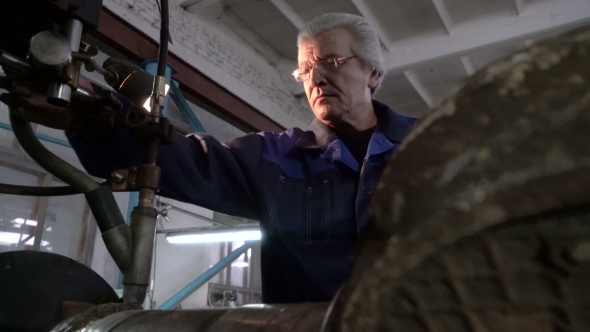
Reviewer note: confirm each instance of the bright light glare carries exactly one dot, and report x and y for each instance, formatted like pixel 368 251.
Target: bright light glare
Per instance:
pixel 148 101
pixel 14 238
pixel 22 221
pixel 237 235
pixel 240 264
pixel 9 237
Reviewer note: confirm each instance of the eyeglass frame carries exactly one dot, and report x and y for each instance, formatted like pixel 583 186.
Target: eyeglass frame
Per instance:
pixel 338 61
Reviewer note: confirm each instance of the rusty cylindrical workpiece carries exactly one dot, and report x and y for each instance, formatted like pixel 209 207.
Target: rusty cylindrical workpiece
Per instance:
pixel 252 318
pixel 481 221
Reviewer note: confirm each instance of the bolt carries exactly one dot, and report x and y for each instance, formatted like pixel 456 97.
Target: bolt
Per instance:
pixel 117 177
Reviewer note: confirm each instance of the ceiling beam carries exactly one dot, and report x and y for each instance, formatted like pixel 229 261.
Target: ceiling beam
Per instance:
pixel 443 14
pixel 364 9
pixel 468 65
pixel 249 36
pixel 289 13
pixel 187 3
pixel 420 89
pixel 204 8
pixel 488 32
pixel 516 5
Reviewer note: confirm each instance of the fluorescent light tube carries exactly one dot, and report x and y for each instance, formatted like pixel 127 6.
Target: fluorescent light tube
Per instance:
pixel 216 235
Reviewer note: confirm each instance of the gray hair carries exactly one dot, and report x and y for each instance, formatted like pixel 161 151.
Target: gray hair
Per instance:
pixel 365 44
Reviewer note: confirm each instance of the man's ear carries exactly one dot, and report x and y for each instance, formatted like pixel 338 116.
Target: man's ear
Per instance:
pixel 373 79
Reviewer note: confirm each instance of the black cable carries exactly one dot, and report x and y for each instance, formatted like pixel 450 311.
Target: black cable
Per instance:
pixel 164 36
pixel 37 191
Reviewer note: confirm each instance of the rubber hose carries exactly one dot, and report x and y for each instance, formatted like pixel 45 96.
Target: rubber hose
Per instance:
pixel 12 189
pixel 45 158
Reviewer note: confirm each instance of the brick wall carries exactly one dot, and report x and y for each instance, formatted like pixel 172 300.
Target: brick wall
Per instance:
pixel 224 56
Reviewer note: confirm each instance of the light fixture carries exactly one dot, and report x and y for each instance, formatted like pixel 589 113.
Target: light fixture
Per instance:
pixel 217 234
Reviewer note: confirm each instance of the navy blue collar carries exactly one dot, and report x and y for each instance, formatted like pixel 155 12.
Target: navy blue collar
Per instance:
pixel 393 126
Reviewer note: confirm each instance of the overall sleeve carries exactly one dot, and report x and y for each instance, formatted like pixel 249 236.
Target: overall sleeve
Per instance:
pixel 196 169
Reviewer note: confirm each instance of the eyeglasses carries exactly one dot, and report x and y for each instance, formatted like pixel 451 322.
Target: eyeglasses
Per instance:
pixel 330 64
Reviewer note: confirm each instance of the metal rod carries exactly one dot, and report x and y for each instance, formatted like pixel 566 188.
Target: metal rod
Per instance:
pixel 42 214
pixel 72 30
pixel 203 278
pixel 13 64
pixel 228 266
pixel 152 151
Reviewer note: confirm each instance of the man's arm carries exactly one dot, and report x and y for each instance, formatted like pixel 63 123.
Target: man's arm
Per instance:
pixel 196 169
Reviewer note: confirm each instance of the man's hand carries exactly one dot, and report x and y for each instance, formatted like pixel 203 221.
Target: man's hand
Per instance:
pixel 32 102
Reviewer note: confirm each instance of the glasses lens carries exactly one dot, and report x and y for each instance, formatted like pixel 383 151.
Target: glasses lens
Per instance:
pixel 329 64
pixel 301 74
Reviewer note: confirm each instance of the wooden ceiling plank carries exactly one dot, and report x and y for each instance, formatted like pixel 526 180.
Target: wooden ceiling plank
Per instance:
pixel 367 13
pixel 468 64
pixel 289 13
pixel 420 89
pixel 443 14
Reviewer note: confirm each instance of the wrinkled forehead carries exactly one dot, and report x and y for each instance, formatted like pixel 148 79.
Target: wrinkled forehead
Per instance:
pixel 335 42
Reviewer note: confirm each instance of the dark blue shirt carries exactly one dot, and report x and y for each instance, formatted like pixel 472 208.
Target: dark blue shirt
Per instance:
pixel 307 190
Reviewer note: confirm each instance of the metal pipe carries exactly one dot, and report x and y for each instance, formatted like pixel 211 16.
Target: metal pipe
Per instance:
pixel 41 214
pixel 72 30
pixel 253 318
pixel 61 93
pixel 143 217
pixel 152 151
pixel 137 278
pixel 203 278
pixel 12 64
pixel 99 198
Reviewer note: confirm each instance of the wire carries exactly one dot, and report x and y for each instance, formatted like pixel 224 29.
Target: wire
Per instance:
pixel 164 38
pixel 37 191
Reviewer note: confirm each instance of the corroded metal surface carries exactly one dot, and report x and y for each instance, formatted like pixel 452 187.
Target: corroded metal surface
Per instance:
pixel 476 218
pixel 80 322
pixel 256 318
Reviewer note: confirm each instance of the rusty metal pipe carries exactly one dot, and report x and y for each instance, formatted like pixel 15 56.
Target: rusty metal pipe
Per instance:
pixel 306 317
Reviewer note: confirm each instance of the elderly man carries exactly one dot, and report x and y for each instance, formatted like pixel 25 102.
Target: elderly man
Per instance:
pixel 311 189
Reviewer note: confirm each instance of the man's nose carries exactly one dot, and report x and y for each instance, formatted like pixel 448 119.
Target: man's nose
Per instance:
pixel 317 76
